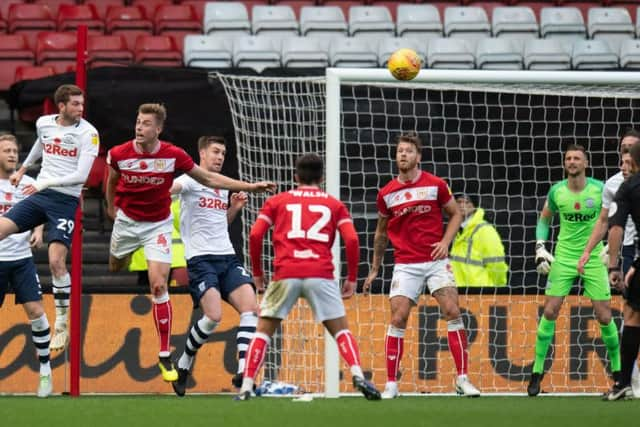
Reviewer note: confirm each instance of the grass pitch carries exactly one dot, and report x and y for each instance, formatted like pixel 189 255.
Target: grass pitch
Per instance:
pixel 214 411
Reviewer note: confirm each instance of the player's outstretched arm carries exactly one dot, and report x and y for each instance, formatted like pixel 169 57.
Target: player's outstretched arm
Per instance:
pixel 34 155
pixel 216 180
pixel 597 234
pixel 79 176
pixel 237 202
pixel 543 257
pixel 256 236
pixel 112 180
pixel 380 241
pixel 352 249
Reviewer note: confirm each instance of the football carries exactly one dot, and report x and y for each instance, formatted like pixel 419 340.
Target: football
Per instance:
pixel 404 64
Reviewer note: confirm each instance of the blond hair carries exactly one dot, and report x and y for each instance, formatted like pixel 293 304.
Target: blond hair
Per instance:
pixel 158 110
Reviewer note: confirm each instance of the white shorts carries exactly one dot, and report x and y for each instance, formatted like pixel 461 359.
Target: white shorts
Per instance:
pixel 323 295
pixel 129 234
pixel 409 280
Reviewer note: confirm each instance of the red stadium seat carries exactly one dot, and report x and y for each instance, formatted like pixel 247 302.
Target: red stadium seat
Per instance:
pixel 29 19
pixel 128 21
pixel 101 6
pixel 6 4
pixel 32 72
pixel 296 5
pixel 150 6
pixel 57 50
pixel 53 4
pixel 197 6
pixel 105 51
pixel 14 52
pixel 157 51
pixel 177 21
pixel 70 16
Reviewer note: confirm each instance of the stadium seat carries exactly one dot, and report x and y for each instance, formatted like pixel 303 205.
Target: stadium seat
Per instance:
pixel 3 24
pixel 582 6
pixel 104 51
pixel 450 53
pixel 226 19
pixel 536 5
pixel 208 51
pixel 563 23
pixel 177 21
pixel 150 6
pixel 160 51
pixel 14 52
pixel 6 4
pixel 345 5
pixel 101 6
pixel 418 20
pixel 29 19
pixel 630 55
pixel 53 5
pixel 470 23
pixel 304 52
pixel 57 50
pixel 391 5
pixel 387 46
pixel 322 21
pixel 129 22
pixel 274 21
pixel 612 24
pixel 256 52
pixel 32 72
pixel 71 15
pixel 198 7
pixel 545 54
pixel 514 22
pixel 370 21
pixel 488 6
pixel 593 55
pixel 353 53
pixel 498 54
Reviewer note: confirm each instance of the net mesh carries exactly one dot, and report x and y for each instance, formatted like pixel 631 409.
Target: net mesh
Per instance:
pixel 502 143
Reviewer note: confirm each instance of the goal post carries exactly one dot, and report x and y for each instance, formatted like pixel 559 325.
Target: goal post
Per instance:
pixel 496 134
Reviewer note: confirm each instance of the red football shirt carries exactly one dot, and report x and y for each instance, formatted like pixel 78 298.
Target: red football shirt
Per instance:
pixel 142 191
pixel 415 215
pixel 305 221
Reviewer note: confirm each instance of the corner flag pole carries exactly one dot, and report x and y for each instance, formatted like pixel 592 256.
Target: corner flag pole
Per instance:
pixel 75 347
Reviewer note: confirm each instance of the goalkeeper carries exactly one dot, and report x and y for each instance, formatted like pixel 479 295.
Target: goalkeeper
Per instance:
pixel 578 201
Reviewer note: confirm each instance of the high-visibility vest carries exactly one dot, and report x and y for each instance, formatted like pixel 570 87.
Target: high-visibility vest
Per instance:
pixel 477 255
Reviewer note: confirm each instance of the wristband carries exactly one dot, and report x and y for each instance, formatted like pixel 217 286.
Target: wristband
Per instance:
pixel 612 269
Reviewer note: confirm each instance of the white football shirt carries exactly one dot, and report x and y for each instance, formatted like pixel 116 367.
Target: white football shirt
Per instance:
pixel 15 246
pixel 203 219
pixel 61 148
pixel 609 193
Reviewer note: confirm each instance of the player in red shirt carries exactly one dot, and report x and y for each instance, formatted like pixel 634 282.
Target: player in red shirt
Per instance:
pixel 410 215
pixel 141 173
pixel 305 222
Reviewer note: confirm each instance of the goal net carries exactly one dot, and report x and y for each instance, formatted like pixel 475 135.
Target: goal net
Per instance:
pixel 496 135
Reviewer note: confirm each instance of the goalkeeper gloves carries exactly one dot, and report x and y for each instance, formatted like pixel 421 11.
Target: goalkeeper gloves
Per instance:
pixel 543 258
pixel 604 255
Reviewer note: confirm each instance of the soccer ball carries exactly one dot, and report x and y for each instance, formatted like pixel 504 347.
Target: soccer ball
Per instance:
pixel 404 64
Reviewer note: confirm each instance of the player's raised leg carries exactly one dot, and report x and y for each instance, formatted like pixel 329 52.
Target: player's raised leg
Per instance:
pixel 200 331
pixel 243 299
pixel 61 281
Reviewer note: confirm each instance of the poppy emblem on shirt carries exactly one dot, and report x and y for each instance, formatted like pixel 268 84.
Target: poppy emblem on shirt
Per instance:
pixel 57 140
pixel 8 196
pixel 589 202
pixel 408 195
pixel 143 165
pixel 577 206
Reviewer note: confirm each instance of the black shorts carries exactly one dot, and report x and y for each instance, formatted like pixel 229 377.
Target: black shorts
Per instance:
pixel 221 272
pixel 21 276
pixel 632 293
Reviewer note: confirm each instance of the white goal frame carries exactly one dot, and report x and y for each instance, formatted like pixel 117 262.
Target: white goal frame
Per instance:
pixel 336 76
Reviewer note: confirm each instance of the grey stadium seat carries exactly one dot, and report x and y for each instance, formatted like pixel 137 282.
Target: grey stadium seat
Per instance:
pixel 228 18
pixel 630 55
pixel 370 21
pixel 514 22
pixel 593 55
pixel 498 54
pixel 207 51
pixel 612 24
pixel 422 20
pixel 545 54
pixel 466 22
pixel 387 46
pixel 352 53
pixel 257 52
pixel 565 23
pixel 320 21
pixel 274 21
pixel 450 53
pixel 304 52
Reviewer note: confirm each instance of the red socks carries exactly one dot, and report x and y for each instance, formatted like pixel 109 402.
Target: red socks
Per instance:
pixel 393 349
pixel 162 316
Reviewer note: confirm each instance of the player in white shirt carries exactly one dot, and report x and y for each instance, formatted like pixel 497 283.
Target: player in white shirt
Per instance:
pixel 17 269
pixel 215 273
pixel 67 144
